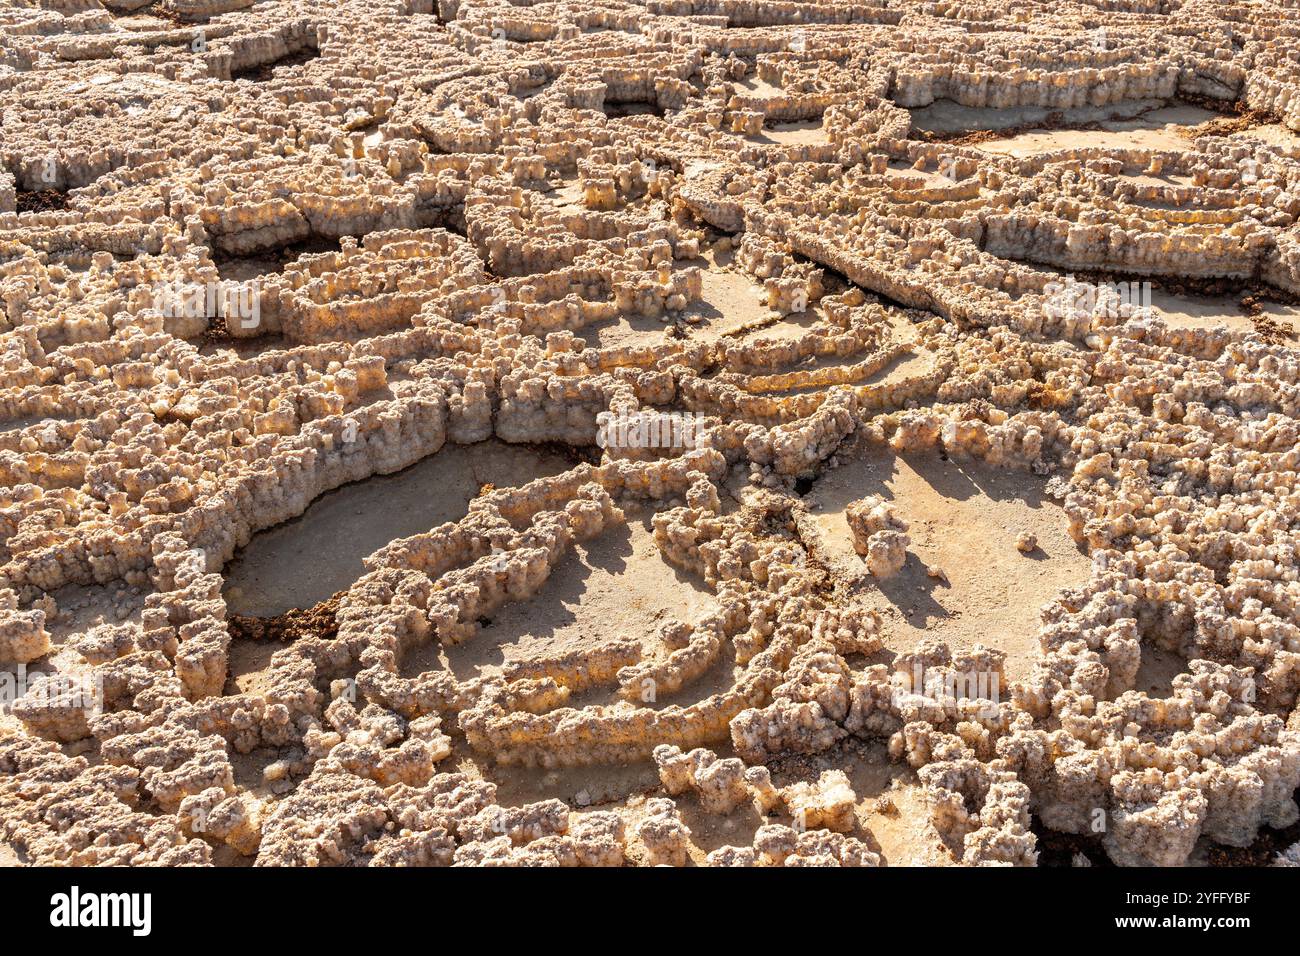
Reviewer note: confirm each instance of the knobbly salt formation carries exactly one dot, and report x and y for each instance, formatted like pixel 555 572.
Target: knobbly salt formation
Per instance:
pixel 730 259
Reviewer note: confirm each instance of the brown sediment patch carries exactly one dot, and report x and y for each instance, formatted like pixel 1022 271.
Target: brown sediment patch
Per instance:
pixel 1234 116
pixel 1266 323
pixel 1227 125
pixel 40 200
pixel 1213 105
pixel 1206 287
pixel 162 11
pixel 217 338
pixel 265 71
pixel 319 620
pixel 1053 121
pixel 218 332
pixel 1068 849
pixel 242 267
pixel 573 454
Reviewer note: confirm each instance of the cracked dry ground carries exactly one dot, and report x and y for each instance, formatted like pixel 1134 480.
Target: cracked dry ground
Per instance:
pixel 972 331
